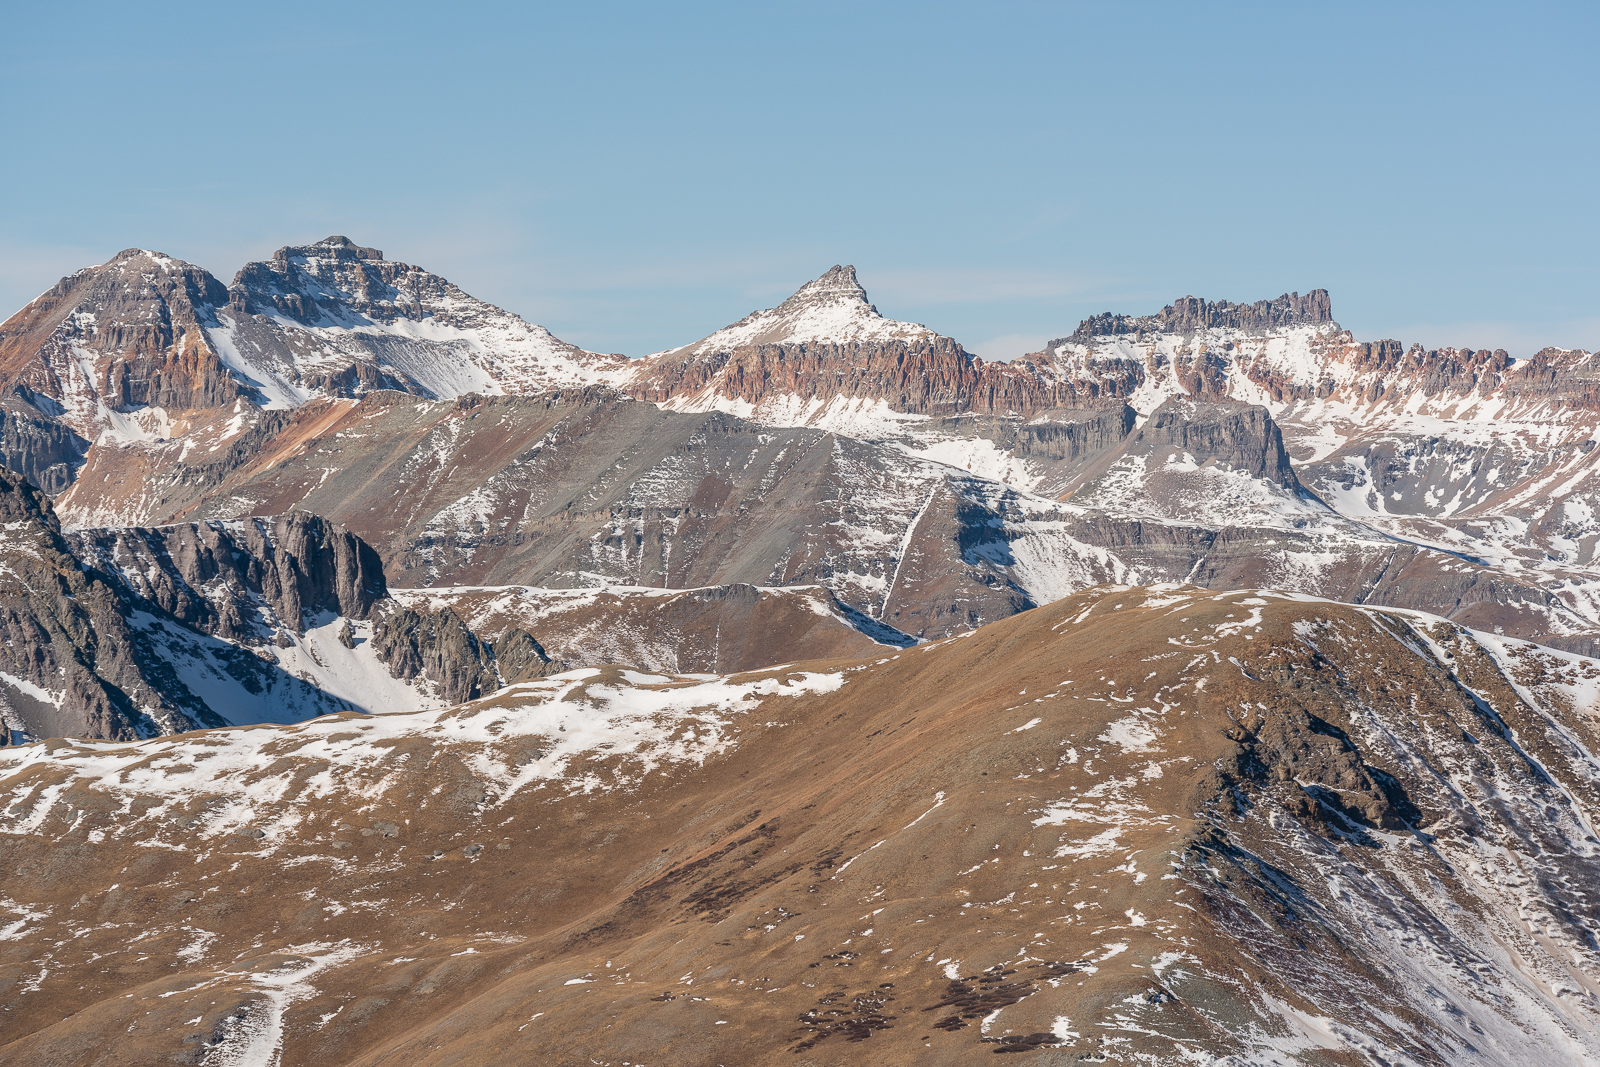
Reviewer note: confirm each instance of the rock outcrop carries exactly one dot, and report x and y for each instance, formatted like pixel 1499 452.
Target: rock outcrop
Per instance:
pixel 129 633
pixel 1191 314
pixel 214 576
pixel 73 665
pixel 42 449
pixel 438 646
pixel 1242 437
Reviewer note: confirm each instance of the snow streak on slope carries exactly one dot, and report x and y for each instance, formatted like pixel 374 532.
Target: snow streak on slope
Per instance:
pixel 576 733
pixel 1148 825
pixel 299 677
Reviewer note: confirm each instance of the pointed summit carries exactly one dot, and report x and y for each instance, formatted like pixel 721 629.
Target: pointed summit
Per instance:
pixel 838 285
pixel 832 309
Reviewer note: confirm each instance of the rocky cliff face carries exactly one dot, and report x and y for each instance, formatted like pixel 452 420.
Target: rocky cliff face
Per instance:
pixel 1238 437
pixel 42 449
pixel 217 577
pixel 112 340
pixel 1190 314
pixel 73 664
pixel 438 646
pixel 129 633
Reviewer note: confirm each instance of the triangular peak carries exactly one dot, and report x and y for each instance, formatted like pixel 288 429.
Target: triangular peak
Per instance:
pixel 836 284
pixel 830 309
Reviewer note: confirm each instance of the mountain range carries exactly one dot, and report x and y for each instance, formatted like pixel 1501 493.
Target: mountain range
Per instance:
pixel 1207 686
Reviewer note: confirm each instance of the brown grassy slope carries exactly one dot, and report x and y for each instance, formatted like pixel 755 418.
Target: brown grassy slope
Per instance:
pixel 1133 824
pixel 719 629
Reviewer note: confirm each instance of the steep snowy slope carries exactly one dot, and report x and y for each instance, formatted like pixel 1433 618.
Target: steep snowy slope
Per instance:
pixel 146 348
pixel 1138 826
pixel 335 319
pixel 832 309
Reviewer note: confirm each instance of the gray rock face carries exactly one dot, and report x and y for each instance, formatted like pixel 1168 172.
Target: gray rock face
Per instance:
pixel 519 658
pixel 72 658
pixel 438 645
pixel 122 634
pixel 314 284
pixel 1240 436
pixel 1191 313
pixel 211 575
pixel 41 448
pixel 1072 435
pixel 1233 436
pixel 1060 442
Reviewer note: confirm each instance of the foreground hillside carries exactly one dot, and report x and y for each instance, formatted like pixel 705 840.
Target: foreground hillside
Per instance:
pixel 1137 825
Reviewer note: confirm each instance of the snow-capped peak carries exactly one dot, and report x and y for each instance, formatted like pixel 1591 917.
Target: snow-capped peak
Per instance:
pixel 335 317
pixel 832 309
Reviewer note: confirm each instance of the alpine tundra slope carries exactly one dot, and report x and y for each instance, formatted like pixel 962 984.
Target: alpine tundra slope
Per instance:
pixel 1144 825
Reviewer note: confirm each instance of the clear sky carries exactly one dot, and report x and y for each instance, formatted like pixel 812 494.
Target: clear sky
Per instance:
pixel 636 175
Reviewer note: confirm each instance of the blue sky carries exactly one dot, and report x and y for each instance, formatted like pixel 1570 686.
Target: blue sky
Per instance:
pixel 634 176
